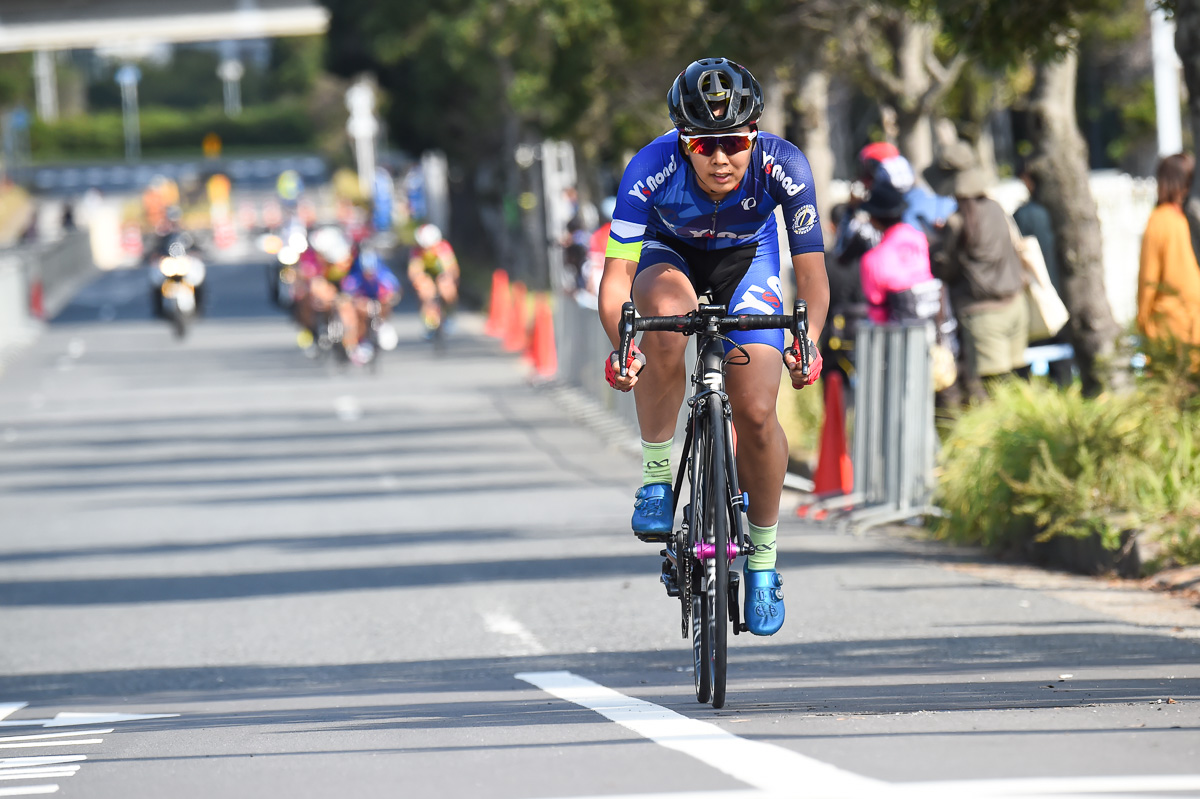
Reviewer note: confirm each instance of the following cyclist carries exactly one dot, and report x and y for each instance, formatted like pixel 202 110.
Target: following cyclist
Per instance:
pixel 321 268
pixel 433 272
pixel 694 215
pixel 370 289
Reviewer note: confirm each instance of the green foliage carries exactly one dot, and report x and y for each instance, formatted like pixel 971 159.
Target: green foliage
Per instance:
pixel 15 84
pixel 1004 32
pixel 1138 114
pixel 1036 462
pixel 471 76
pixel 167 130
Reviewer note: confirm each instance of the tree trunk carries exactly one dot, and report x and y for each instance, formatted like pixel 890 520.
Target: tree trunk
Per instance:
pixel 914 42
pixel 813 101
pixel 774 115
pixel 1187 45
pixel 1061 168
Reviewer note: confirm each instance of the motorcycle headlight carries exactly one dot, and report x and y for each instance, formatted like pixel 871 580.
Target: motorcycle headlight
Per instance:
pixel 173 267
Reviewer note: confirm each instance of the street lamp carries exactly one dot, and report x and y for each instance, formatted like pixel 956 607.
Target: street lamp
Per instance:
pixel 127 78
pixel 230 72
pixel 363 127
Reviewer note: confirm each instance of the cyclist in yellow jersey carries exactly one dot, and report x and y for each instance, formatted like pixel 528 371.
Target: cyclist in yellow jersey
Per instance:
pixel 433 272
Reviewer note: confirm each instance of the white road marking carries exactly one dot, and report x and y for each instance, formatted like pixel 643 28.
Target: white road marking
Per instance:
pixel 8 708
pixel 31 744
pixel 24 762
pixel 764 766
pixel 71 719
pixel 45 735
pixel 504 624
pixel 30 773
pixel 776 772
pixel 1056 786
pixel 348 408
pixel 29 790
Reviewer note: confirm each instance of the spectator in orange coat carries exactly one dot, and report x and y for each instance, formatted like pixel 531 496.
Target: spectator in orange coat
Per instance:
pixel 1168 276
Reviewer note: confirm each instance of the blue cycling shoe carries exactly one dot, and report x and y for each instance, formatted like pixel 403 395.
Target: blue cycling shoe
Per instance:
pixel 764 601
pixel 652 509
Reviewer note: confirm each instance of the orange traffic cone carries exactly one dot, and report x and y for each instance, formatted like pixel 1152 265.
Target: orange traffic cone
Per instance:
pixel 497 323
pixel 542 351
pixel 835 472
pixel 515 335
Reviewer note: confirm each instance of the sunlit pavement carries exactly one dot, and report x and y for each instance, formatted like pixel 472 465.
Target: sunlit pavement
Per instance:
pixel 278 577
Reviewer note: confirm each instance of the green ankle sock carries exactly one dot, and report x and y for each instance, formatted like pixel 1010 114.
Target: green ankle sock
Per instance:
pixel 763 539
pixel 656 462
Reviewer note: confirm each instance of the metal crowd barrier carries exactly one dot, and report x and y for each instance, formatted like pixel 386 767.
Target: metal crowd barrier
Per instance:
pixel 45 274
pixel 895 439
pixel 582 347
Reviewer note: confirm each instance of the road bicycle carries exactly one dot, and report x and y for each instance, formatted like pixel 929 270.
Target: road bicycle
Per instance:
pixel 712 530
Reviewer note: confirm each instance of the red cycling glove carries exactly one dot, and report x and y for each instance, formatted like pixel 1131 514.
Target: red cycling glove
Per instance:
pixel 612 371
pixel 815 362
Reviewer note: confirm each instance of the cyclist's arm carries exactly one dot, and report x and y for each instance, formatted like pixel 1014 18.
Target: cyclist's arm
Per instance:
pixel 450 262
pixel 416 268
pixel 812 286
pixel 615 286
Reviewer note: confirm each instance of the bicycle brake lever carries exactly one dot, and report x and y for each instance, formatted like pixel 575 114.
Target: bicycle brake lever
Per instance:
pixel 626 332
pixel 800 335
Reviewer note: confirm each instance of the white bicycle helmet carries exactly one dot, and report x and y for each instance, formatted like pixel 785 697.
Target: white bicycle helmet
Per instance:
pixel 427 236
pixel 331 244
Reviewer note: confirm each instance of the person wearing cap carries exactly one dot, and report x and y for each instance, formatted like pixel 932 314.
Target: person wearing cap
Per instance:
pixel 977 261
pixel 893 270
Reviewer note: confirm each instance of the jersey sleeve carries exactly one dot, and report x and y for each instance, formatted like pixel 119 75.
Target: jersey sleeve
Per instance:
pixel 635 198
pixel 791 185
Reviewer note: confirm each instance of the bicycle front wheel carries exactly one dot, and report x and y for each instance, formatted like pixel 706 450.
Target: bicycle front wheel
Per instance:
pixel 719 587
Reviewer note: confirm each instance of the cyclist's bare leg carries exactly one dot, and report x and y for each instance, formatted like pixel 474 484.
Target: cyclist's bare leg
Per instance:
pixel 762 450
pixel 448 288
pixel 349 316
pixel 661 290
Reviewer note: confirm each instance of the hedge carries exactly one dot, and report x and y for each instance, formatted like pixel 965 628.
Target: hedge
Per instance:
pixel 166 130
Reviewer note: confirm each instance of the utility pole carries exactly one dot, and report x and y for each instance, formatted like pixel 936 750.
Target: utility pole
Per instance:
pixel 127 78
pixel 1166 81
pixel 230 72
pixel 45 85
pixel 362 127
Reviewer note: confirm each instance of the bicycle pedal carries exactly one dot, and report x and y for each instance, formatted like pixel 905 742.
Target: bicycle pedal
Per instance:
pixel 653 538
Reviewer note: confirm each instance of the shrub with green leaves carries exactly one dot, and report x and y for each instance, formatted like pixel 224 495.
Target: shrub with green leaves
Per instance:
pixel 1038 462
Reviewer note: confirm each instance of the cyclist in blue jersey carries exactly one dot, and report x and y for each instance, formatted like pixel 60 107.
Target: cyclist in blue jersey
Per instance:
pixel 369 281
pixel 695 214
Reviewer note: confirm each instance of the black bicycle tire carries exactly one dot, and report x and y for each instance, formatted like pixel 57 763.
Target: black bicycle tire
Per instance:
pixel 701 635
pixel 718 503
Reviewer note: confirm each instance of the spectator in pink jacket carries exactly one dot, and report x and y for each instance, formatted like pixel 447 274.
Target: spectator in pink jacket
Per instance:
pixel 896 280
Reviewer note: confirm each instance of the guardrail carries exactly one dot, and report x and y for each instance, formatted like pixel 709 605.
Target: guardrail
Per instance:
pixel 582 348
pixel 37 281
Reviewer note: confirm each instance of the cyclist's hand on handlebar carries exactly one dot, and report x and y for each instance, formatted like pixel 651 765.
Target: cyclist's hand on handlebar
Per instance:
pixel 791 359
pixel 612 372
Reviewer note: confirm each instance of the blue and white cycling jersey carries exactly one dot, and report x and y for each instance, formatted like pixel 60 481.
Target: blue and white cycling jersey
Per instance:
pixel 659 198
pixel 730 248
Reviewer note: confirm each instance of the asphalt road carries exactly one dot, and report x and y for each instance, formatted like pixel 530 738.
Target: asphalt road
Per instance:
pixel 272 578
